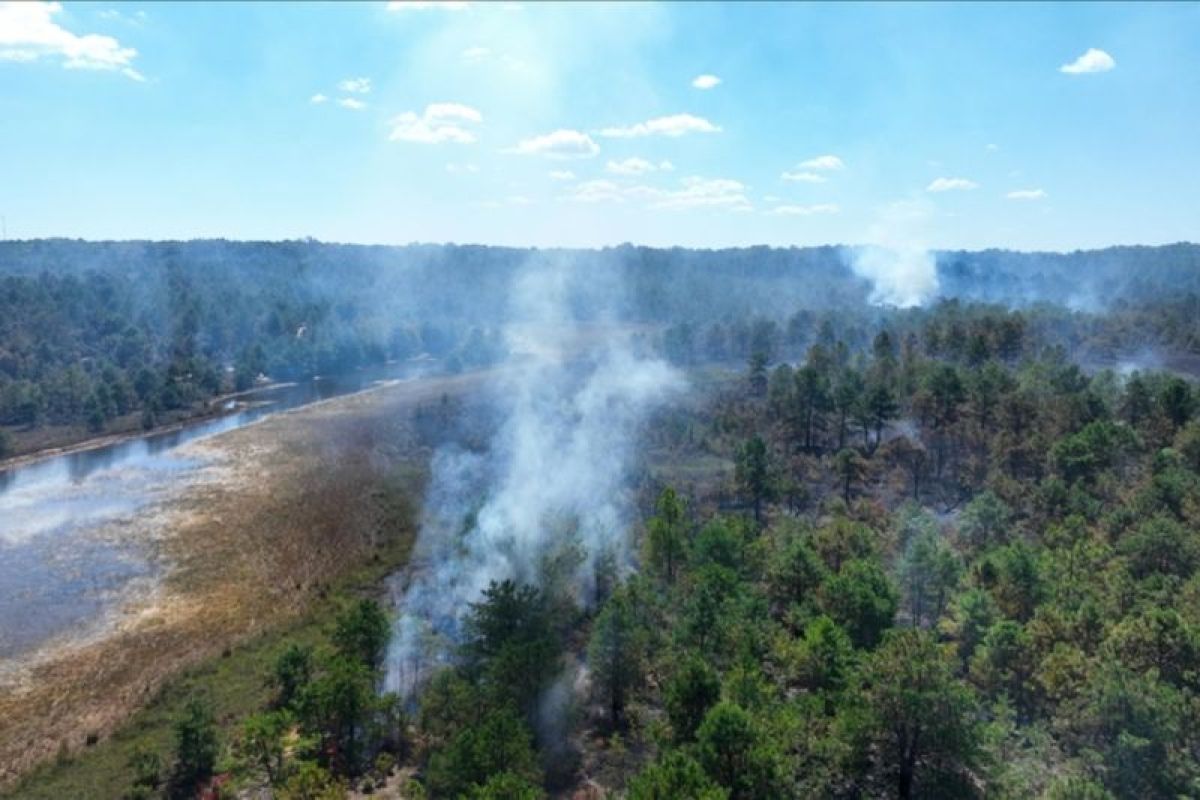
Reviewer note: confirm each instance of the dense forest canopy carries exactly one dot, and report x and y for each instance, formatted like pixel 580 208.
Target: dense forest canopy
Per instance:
pixel 94 330
pixel 942 551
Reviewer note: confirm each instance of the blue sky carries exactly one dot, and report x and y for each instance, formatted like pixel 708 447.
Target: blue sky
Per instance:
pixel 1025 126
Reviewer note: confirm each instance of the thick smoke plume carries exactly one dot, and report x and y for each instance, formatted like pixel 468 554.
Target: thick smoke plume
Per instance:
pixel 900 276
pixel 550 490
pixel 902 270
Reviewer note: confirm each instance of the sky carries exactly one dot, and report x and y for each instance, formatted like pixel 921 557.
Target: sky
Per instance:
pixel 1026 126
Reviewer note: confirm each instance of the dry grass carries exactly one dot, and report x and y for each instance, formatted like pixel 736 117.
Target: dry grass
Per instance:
pixel 287 506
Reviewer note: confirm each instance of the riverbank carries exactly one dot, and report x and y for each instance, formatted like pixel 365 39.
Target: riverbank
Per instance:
pixel 27 445
pixel 283 512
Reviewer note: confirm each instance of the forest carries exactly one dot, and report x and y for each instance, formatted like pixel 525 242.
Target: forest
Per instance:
pixel 930 557
pixel 95 331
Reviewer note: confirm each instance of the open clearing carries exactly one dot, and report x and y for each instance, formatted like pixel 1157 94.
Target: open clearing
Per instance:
pixel 284 508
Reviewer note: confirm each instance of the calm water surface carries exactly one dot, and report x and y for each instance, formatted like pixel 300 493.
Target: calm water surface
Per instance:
pixel 63 562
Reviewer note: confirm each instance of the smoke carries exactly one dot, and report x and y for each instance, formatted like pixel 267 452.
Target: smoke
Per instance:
pixel 902 270
pixel 550 488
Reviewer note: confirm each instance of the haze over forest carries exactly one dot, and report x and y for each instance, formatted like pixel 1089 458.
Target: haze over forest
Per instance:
pixel 773 401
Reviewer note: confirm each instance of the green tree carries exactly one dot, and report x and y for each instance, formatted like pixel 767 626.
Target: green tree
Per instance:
pixel 812 400
pixel 499 743
pixel 850 468
pixel 753 473
pixel 861 599
pixel 615 654
pixel 362 633
pixel 336 707
pixel 690 693
pixel 674 776
pixel 985 521
pixel 914 723
pixel 261 742
pixel 311 782
pixel 881 408
pixel 1160 546
pixel 509 644
pixel 735 754
pixel 1074 787
pixel 507 786
pixel 195 747
pixel 929 571
pixel 825 656
pixel 667 534
pixel 291 673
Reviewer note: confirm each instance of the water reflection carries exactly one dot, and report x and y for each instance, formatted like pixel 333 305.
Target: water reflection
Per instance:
pixel 55 571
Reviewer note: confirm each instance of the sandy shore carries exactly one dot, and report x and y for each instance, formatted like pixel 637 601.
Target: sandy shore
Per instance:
pixel 280 508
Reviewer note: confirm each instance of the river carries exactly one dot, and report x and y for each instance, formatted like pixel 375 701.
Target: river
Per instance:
pixel 63 559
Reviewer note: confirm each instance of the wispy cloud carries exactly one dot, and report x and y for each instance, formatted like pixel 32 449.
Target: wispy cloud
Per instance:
pixel 705 81
pixel 439 122
pixel 356 85
pixel 697 192
pixel 28 32
pixel 638 166
pixel 1092 61
pixel 673 125
pixel 804 211
pixel 951 185
pixel 692 192
pixel 473 55
pixel 561 175
pixel 1026 194
pixel 563 143
pixel 352 103
pixel 597 191
pixel 318 98
pixel 826 163
pixel 803 177
pixel 456 168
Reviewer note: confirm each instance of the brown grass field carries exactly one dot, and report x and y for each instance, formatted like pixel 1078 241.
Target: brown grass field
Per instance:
pixel 286 507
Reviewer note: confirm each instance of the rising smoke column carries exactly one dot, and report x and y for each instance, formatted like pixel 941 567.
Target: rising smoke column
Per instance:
pixel 570 403
pixel 902 270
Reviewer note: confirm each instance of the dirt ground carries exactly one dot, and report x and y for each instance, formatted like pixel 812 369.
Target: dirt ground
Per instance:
pixel 284 506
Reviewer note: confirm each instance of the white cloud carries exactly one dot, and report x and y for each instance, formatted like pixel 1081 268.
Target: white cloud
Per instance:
pixel 638 166
pixel 828 163
pixel 440 122
pixel 318 98
pixel 697 192
pixel 562 143
pixel 356 85
pixel 597 191
pixel 425 5
pixel 473 55
pixel 137 19
pixel 673 125
pixel 803 177
pixel 561 175
pixel 693 192
pixel 1026 194
pixel 705 81
pixel 950 185
pixel 28 32
pixel 1092 61
pixel 991 148
pixel 805 211
pixel 455 168
pixel 351 103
